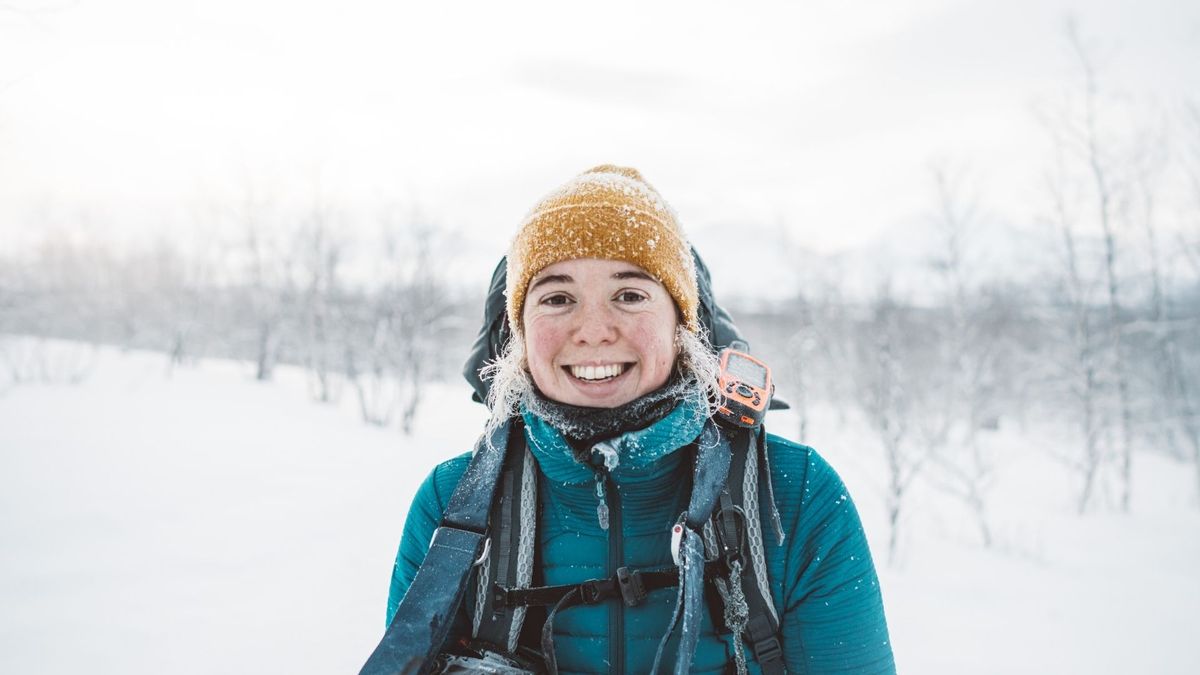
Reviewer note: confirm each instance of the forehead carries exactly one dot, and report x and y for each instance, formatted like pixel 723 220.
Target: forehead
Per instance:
pixel 594 269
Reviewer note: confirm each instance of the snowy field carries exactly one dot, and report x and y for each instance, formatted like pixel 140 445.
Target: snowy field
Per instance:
pixel 203 522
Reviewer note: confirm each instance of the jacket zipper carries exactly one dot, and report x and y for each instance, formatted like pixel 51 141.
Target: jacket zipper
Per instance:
pixel 616 559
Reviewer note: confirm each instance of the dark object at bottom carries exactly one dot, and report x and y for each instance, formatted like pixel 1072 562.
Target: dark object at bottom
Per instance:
pixel 423 620
pixel 436 592
pixel 476 657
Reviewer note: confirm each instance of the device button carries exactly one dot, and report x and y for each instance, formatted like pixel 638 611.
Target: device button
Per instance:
pixel 743 390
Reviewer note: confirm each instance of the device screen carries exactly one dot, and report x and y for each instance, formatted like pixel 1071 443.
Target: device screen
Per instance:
pixel 747 371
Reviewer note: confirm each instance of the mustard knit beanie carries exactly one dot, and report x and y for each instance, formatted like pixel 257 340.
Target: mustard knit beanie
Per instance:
pixel 610 213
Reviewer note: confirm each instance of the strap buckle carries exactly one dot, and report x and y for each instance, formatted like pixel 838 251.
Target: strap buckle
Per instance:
pixel 730 521
pixel 590 592
pixel 499 597
pixel 633 591
pixel 767 650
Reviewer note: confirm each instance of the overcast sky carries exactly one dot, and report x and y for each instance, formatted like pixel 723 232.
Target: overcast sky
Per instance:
pixel 820 117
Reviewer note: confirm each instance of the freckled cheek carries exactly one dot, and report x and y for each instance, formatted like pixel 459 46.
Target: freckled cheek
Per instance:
pixel 654 344
pixel 542 345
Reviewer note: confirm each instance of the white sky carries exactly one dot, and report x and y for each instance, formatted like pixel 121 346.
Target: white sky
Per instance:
pixel 820 116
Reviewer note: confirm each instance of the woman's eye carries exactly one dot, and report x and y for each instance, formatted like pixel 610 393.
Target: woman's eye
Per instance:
pixel 630 296
pixel 556 300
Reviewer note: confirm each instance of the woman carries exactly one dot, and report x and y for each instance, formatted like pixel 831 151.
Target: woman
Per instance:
pixel 615 387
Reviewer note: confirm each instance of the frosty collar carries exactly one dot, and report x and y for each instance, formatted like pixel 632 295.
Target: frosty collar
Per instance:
pixel 583 427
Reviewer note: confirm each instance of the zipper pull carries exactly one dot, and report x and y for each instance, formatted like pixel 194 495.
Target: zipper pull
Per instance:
pixel 601 502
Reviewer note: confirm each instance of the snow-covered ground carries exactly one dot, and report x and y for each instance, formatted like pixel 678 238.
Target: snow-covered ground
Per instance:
pixel 207 523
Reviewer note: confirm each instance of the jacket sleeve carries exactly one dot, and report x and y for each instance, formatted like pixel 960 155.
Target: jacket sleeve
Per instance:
pixel 832 618
pixel 423 518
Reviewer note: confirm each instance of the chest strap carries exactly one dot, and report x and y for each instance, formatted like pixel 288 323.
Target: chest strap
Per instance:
pixel 630 586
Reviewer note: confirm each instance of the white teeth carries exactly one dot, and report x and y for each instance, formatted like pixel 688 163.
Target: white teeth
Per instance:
pixel 597 372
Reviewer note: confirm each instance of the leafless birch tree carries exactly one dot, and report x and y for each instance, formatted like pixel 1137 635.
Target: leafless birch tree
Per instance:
pixel 323 331
pixel 970 355
pixel 883 379
pixel 1100 157
pixel 1082 368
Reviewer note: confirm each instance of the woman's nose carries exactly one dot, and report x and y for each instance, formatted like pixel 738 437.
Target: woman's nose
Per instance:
pixel 595 324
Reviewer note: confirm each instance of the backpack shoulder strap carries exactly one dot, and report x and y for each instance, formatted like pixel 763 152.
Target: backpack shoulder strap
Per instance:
pixel 510 560
pixel 739 538
pixel 423 620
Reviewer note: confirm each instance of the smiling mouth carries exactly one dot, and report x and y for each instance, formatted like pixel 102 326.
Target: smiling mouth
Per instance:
pixel 597 373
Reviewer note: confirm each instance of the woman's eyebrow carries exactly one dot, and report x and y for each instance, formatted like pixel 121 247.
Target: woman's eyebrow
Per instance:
pixel 552 278
pixel 635 274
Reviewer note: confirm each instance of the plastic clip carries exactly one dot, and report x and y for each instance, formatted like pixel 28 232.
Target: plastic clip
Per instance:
pixel 633 591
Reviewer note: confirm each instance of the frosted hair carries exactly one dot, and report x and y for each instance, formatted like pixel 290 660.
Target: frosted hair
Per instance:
pixel 700 366
pixel 512 385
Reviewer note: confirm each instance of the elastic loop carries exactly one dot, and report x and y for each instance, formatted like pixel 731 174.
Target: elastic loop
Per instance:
pixel 487 548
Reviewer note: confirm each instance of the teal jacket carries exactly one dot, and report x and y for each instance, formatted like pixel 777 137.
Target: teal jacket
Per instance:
pixel 823 582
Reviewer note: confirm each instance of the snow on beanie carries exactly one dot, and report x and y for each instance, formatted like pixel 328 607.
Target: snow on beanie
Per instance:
pixel 610 213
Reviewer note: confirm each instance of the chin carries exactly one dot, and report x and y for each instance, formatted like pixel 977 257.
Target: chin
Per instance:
pixel 591 396
pixel 598 401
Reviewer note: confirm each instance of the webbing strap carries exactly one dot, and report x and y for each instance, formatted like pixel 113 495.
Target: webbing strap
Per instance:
pixel 630 586
pixel 496 627
pixel 421 623
pixel 411 643
pixel 711 470
pixel 762 629
pixel 472 498
pixel 709 475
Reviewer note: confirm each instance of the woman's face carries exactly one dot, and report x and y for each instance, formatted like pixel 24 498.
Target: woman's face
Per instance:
pixel 598 333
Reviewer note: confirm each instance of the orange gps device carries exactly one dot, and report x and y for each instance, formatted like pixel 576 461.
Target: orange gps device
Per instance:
pixel 746 383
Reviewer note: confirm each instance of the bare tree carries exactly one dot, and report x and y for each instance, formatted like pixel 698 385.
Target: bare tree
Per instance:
pixel 884 377
pixel 808 336
pixel 367 365
pixel 57 296
pixel 1099 157
pixel 266 284
pixel 320 257
pixel 1081 369
pixel 408 317
pixel 971 352
pixel 1178 370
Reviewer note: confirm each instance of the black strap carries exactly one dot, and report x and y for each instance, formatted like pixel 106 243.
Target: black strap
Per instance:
pixel 762 629
pixel 423 620
pixel 472 498
pixel 710 472
pixel 496 625
pixel 631 586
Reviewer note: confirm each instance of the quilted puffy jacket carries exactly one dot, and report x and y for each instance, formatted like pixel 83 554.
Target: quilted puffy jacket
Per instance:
pixel 823 581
